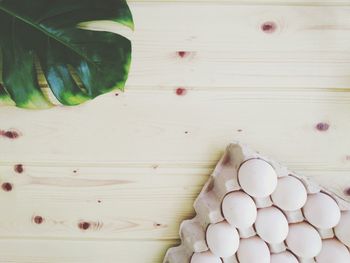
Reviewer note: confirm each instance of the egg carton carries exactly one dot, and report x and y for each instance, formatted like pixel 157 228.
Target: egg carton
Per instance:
pixel 255 210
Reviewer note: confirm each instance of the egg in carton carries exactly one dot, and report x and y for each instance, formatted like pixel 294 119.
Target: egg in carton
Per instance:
pixel 254 210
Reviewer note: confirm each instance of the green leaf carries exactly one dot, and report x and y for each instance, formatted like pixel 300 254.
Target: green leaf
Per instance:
pixel 78 64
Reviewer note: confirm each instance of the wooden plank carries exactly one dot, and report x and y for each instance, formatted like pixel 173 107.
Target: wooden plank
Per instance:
pixel 58 251
pixel 152 126
pixel 226 46
pixel 150 204
pixel 114 202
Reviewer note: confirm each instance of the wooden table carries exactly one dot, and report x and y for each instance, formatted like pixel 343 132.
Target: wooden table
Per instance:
pixel 110 181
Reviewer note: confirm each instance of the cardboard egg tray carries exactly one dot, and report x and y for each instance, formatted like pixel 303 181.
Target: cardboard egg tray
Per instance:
pixel 224 180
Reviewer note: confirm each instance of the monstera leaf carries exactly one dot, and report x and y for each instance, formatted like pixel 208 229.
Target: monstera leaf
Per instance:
pixel 43 36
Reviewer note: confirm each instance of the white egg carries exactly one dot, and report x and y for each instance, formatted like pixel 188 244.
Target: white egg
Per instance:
pixel 271 225
pixel 205 257
pixel 239 209
pixel 253 250
pixel 257 178
pixel 342 230
pixel 333 251
pixel 222 239
pixel 284 257
pixel 304 240
pixel 321 211
pixel 290 194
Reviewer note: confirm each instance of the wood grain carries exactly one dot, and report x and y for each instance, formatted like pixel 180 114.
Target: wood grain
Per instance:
pixel 58 251
pixel 115 203
pixel 158 126
pixel 227 47
pixel 224 45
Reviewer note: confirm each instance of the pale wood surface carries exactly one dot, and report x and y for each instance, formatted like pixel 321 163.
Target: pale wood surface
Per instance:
pixel 131 165
pixel 81 251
